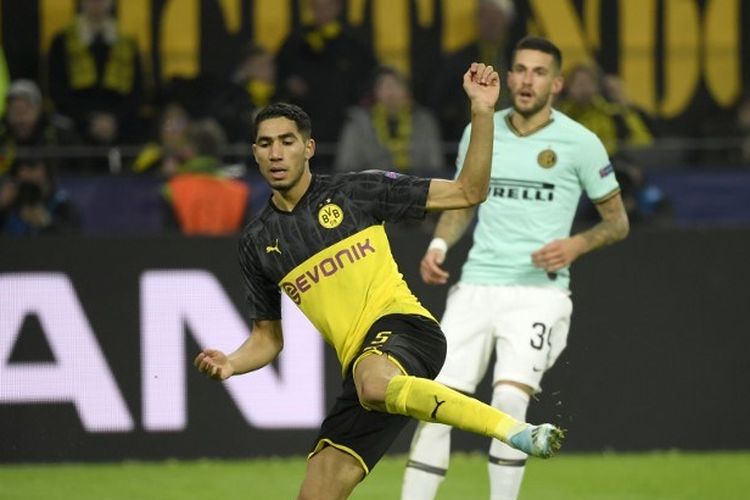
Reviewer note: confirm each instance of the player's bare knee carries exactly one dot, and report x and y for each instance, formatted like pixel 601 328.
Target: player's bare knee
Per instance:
pixel 371 391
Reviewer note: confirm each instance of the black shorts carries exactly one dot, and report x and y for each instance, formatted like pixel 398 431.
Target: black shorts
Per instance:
pixel 418 345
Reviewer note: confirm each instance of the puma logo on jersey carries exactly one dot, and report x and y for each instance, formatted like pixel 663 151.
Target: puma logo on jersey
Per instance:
pixel 274 247
pixel 437 406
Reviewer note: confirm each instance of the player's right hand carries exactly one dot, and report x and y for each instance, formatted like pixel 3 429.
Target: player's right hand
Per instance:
pixel 482 86
pixel 214 363
pixel 430 269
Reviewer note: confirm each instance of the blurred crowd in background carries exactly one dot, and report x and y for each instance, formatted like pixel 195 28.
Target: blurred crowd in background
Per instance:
pixel 194 135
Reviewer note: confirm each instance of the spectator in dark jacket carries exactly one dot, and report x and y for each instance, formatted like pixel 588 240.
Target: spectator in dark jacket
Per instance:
pixel 32 204
pixel 325 68
pixel 256 76
pixel 95 76
pixel 26 127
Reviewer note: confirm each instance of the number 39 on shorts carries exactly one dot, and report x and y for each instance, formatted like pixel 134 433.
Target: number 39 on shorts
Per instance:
pixel 540 331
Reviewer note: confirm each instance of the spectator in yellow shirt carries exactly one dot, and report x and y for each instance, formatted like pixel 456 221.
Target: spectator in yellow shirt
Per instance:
pixel 601 105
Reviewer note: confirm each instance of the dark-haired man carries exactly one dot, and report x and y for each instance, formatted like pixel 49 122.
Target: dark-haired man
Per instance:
pixel 513 295
pixel 321 240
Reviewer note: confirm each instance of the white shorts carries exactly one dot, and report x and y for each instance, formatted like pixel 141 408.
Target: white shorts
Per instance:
pixel 527 326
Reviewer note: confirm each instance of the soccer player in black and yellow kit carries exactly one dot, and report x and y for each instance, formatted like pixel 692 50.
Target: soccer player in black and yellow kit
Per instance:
pixel 321 241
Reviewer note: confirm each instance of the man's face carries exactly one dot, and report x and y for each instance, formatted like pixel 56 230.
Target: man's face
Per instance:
pixel 325 11
pixel 582 86
pixel 391 93
pixel 533 80
pixel 173 126
pixel 261 67
pixel 23 116
pixel 282 152
pixel 96 9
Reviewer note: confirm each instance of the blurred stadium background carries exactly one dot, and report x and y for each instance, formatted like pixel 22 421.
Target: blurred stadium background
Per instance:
pixel 98 327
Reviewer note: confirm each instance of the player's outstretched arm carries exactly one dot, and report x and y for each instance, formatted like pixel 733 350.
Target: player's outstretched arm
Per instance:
pixel 482 86
pixel 262 347
pixel 613 227
pixel 451 226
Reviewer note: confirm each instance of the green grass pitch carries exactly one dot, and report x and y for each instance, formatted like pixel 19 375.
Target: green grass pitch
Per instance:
pixel 651 476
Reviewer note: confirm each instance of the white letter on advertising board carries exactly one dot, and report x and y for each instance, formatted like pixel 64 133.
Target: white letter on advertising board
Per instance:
pixel 173 302
pixel 79 373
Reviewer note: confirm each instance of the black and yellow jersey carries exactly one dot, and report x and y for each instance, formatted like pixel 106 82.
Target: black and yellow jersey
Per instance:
pixel 331 255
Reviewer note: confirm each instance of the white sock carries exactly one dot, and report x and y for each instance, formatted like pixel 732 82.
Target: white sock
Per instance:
pixel 506 465
pixel 428 461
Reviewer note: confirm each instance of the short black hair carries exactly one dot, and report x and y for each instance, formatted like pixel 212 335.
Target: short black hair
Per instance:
pixel 540 44
pixel 285 110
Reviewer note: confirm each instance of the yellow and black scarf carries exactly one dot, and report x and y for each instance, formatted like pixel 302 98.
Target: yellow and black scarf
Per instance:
pixel 118 73
pixel 396 141
pixel 316 38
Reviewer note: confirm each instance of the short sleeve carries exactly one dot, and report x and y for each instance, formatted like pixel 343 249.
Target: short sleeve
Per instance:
pixel 595 171
pixel 389 196
pixel 262 295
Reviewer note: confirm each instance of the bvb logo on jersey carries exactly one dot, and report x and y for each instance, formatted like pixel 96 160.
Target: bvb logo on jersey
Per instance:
pixel 547 158
pixel 330 216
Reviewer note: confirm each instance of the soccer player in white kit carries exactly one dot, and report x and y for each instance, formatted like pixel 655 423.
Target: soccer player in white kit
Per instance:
pixel 513 294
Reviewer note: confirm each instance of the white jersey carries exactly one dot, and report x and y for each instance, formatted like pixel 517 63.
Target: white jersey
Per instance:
pixel 535 186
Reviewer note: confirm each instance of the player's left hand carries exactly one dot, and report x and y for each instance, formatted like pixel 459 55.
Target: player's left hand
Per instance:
pixel 558 254
pixel 431 267
pixel 482 86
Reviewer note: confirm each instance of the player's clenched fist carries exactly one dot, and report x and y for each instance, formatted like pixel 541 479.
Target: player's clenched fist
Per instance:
pixel 482 85
pixel 214 363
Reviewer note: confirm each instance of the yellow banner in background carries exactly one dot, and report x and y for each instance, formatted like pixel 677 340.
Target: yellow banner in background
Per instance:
pixel 701 40
pixel 179 43
pixel 459 23
pixel 134 17
pixel 638 51
pixel 391 32
pixel 232 11
pixel 681 57
pixel 722 51
pixel 558 21
pixel 272 23
pixel 54 16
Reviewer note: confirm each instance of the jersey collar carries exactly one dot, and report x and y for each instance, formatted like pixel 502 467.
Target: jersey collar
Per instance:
pixel 300 202
pixel 536 129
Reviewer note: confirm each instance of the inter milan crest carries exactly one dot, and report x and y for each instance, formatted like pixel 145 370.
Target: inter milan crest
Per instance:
pixel 547 158
pixel 330 215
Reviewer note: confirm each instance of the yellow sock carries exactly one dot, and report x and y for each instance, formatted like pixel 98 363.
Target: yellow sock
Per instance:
pixel 431 401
